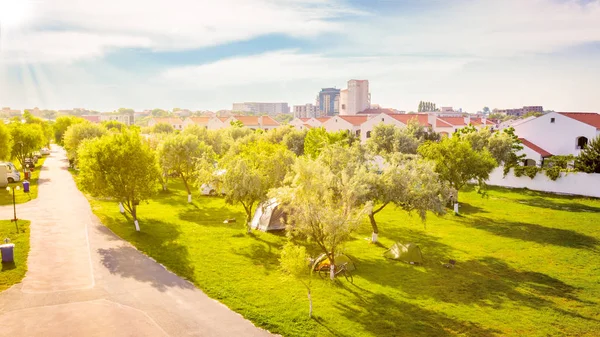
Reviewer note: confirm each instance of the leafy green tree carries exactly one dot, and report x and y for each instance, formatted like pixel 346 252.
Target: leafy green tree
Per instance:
pixel 163 128
pixel 126 111
pixel 295 141
pixel 114 126
pixel 159 113
pixel 62 124
pixel 182 154
pixel 294 262
pixel 486 110
pixel 503 146
pixel 387 139
pixel 6 142
pixel 588 160
pixel 407 182
pixel 215 138
pixel 457 162
pixel 77 134
pixel 320 206
pixel 251 171
pixel 27 138
pixel 276 135
pixel 120 166
pixel 318 138
pixel 284 118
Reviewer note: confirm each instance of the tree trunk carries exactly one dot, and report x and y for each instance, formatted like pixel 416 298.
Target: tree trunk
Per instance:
pixel 134 215
pixel 374 225
pixel 332 266
pixel 456 203
pixel 310 308
pixel 121 208
pixel 187 188
pixel 248 222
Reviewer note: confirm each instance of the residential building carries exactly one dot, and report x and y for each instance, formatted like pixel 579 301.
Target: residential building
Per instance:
pixel 200 121
pixel 521 111
pixel 398 120
pixel 176 123
pixel 92 118
pixel 8 112
pixel 352 124
pixel 344 102
pixel 559 133
pixel 329 101
pixel 127 119
pixel 308 123
pixel 254 122
pixel 305 111
pixel 262 108
pixel 216 123
pixel 358 98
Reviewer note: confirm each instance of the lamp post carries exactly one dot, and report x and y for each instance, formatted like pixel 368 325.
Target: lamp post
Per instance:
pixel 8 188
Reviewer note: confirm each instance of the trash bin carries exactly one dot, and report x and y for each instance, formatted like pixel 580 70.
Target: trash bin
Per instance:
pixel 26 186
pixel 7 250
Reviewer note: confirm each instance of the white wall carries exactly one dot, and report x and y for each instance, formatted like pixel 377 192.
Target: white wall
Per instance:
pixel 371 123
pixel 336 124
pixel 558 138
pixel 586 184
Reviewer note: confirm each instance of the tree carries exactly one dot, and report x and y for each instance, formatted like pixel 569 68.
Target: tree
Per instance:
pixel 320 206
pixel 387 139
pixel 182 154
pixel 120 166
pixel 251 170
pixel 163 128
pixel 78 133
pixel 215 138
pixel 503 146
pixel 114 126
pixel 6 142
pixel 486 110
pixel 62 124
pixel 318 138
pixel 457 162
pixel 409 183
pixel 589 159
pixel 295 262
pixel 284 118
pixel 27 138
pixel 295 141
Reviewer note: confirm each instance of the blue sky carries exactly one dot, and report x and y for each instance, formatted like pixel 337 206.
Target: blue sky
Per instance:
pixel 205 55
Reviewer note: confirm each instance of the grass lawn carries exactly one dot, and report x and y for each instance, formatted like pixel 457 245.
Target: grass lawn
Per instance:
pixel 20 196
pixel 13 273
pixel 527 265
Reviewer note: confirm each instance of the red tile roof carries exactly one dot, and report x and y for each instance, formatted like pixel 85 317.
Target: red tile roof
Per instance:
pixel 355 120
pixel 308 126
pixel 589 118
pixel 323 119
pixel 253 120
pixel 406 118
pixel 222 119
pixel 200 120
pixel 304 119
pixel 268 121
pixel 377 111
pixel 93 119
pixel 443 123
pixel 456 121
pixel 477 121
pixel 535 148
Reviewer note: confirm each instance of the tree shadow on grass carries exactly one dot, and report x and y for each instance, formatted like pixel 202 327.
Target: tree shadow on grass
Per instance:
pixel 559 206
pixel 8 266
pixel 373 312
pixel 262 252
pixel 468 209
pixel 213 216
pixel 533 233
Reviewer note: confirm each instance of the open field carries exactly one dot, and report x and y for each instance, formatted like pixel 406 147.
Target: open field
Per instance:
pixel 20 196
pixel 13 273
pixel 527 264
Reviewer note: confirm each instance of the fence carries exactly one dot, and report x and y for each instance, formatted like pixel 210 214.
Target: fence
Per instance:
pixel 577 183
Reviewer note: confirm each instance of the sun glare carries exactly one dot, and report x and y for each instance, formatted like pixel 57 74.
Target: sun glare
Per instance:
pixel 14 12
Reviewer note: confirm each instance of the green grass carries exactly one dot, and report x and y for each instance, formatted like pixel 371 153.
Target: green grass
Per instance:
pixel 527 265
pixel 13 273
pixel 20 196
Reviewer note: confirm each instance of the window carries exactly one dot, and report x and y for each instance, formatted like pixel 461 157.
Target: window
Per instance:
pixel 368 134
pixel 552 120
pixel 382 119
pixel 357 133
pixel 581 142
pixel 529 162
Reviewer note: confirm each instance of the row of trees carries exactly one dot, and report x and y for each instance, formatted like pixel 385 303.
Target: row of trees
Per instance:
pixel 427 107
pixel 20 139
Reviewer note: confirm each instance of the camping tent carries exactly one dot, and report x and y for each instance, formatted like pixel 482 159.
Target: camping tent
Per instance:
pixel 408 253
pixel 340 259
pixel 268 216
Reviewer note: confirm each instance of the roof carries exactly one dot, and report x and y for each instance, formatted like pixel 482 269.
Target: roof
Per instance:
pixel 377 111
pixel 167 120
pixel 355 120
pixel 477 121
pixel 442 124
pixel 423 119
pixel 535 148
pixel 589 118
pixel 93 119
pixel 453 120
pixel 223 119
pixel 253 120
pixel 199 120
pixel 323 119
pixel 304 119
pixel 308 126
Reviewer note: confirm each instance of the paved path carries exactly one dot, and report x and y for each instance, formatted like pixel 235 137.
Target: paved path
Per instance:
pixel 83 280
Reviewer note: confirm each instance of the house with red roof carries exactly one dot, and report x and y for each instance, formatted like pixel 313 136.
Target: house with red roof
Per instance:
pixel 352 124
pixel 560 133
pixel 201 121
pixel 255 122
pixel 398 120
pixel 176 123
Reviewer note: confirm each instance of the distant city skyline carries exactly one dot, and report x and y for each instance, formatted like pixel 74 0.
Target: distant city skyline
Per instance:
pixel 206 56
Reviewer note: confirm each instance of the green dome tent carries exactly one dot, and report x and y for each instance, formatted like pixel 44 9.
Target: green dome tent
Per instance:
pixel 409 252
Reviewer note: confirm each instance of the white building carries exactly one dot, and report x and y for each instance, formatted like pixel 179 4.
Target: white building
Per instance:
pixel 398 120
pixel 344 102
pixel 254 122
pixel 262 108
pixel 127 119
pixel 200 121
pixel 176 123
pixel 217 123
pixel 352 124
pixel 305 111
pixel 357 98
pixel 560 133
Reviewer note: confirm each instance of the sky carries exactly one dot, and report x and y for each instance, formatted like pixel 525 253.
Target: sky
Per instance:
pixel 206 55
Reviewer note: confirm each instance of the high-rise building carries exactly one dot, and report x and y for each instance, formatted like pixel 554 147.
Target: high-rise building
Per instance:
pixel 329 101
pixel 305 111
pixel 263 108
pixel 344 102
pixel 359 98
